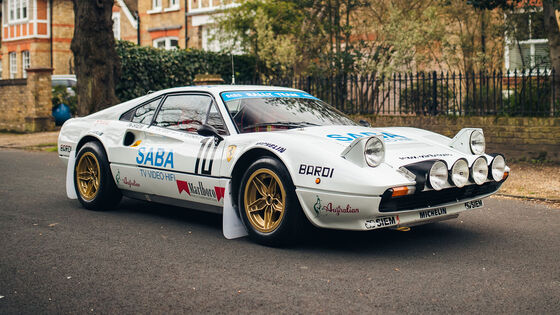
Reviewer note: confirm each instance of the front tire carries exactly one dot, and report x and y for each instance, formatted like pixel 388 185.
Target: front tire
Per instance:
pixel 93 181
pixel 268 204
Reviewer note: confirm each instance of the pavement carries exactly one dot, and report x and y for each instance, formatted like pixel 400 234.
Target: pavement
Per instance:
pixel 58 258
pixel 28 140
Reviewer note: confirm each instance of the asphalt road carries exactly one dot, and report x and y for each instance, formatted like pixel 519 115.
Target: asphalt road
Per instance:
pixel 56 257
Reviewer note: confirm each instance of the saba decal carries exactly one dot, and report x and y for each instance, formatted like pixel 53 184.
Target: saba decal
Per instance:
pixel 200 191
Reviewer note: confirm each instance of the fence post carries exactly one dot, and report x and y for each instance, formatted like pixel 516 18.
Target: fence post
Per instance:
pixel 434 110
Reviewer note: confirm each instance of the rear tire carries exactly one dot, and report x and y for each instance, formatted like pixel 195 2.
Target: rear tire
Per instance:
pixel 268 205
pixel 93 181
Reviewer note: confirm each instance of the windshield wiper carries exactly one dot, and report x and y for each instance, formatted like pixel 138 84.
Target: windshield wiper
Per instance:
pixel 282 124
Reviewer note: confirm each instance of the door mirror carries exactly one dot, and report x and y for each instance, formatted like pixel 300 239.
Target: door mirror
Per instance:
pixel 364 123
pixel 209 131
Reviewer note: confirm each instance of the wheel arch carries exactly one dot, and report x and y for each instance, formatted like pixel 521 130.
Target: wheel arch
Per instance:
pixel 90 138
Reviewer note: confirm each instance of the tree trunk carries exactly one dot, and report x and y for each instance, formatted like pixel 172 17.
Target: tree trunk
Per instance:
pixel 95 57
pixel 553 34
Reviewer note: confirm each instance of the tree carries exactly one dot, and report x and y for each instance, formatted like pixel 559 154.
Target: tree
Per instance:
pixel 95 57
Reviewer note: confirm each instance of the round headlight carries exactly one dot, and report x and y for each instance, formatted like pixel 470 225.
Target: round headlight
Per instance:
pixel 477 142
pixel 374 151
pixel 438 175
pixel 498 167
pixel 479 170
pixel 460 173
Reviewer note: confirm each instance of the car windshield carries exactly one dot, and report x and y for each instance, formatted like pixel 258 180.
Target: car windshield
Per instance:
pixel 254 111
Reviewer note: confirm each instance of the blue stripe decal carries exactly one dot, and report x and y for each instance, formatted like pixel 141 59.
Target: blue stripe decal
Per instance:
pixel 228 96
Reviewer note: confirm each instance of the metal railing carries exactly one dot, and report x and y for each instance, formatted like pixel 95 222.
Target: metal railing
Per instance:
pixel 517 93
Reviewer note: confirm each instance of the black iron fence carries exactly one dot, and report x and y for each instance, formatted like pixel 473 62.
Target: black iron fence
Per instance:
pixel 517 93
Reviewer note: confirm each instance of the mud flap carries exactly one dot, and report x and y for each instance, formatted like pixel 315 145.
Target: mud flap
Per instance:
pixel 232 226
pixel 70 187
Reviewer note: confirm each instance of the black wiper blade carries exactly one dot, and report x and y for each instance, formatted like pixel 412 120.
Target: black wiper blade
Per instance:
pixel 281 124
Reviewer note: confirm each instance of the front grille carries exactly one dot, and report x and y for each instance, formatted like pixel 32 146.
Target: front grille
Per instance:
pixel 435 198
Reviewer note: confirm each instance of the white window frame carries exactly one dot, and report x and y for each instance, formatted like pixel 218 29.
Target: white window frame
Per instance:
pixel 116 25
pixel 174 5
pixel 167 41
pixel 13 64
pixel 156 7
pixel 25 62
pixel 18 11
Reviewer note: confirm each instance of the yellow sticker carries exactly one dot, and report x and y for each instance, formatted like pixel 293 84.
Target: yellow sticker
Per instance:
pixel 137 143
pixel 230 152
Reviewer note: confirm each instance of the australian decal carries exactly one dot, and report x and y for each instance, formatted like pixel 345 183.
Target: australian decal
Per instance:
pixel 433 213
pixel 318 171
pixel 153 174
pixel 387 137
pixel 382 222
pixel 159 157
pixel 272 146
pixel 205 158
pixel 125 180
pixel 329 208
pixel 200 191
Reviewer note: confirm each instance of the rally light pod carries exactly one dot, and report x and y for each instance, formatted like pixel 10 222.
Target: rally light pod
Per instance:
pixel 459 173
pixel 497 168
pixel 432 174
pixel 479 170
pixel 469 141
pixel 365 151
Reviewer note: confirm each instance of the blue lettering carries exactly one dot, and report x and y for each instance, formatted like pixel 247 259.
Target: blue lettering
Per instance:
pixel 140 157
pixel 150 157
pixel 169 159
pixel 339 137
pixel 387 135
pixel 159 157
pixel 355 136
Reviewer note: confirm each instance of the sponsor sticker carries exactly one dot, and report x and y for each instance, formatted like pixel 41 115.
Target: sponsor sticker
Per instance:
pixel 155 157
pixel 159 175
pixel 433 213
pixel 331 208
pixel 228 96
pixel 230 152
pixel 65 148
pixel 382 222
pixel 317 171
pixel 424 156
pixel 387 137
pixel 272 146
pixel 474 204
pixel 200 191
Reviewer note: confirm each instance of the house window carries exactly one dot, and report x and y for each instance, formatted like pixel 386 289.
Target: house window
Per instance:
pixel 526 41
pixel 173 3
pixel 167 43
pixel 156 5
pixel 117 25
pixel 18 10
pixel 13 65
pixel 25 62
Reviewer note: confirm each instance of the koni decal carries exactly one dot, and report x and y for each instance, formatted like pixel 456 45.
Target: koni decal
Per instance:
pixel 433 213
pixel 387 137
pixel 318 171
pixel 382 222
pixel 200 191
pixel 321 209
pixel 159 157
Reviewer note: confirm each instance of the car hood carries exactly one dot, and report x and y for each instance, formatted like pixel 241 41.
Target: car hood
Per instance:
pixel 403 145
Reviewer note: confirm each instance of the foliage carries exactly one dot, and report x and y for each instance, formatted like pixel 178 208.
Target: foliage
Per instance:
pixel 421 99
pixel 530 96
pixel 149 69
pixel 61 95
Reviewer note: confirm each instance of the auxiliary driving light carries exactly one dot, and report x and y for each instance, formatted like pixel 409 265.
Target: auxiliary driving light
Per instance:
pixel 498 167
pixel 374 151
pixel 459 174
pixel 438 175
pixel 477 142
pixel 479 170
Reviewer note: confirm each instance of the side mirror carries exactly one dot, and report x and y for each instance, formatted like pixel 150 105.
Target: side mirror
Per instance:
pixel 364 123
pixel 209 131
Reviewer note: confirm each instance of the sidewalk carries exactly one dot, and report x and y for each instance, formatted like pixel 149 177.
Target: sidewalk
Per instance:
pixel 527 180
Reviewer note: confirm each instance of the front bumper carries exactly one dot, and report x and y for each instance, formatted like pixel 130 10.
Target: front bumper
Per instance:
pixel 354 212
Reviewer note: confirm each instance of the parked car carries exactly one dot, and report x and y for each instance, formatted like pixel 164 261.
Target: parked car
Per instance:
pixel 67 80
pixel 281 156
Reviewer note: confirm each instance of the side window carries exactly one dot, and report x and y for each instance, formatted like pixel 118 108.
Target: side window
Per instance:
pixel 183 112
pixel 215 120
pixel 145 113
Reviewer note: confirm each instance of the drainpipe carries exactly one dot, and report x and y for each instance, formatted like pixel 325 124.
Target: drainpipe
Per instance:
pixel 186 25
pixel 51 27
pixel 137 16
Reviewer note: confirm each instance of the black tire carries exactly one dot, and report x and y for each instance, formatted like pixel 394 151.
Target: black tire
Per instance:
pixel 284 228
pixel 95 192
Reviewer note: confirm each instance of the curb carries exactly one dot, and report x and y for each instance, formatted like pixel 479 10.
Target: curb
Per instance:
pixel 549 200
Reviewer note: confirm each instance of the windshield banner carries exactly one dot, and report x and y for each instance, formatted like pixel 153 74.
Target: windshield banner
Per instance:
pixel 228 96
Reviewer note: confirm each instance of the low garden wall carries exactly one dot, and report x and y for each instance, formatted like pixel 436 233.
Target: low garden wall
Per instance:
pixel 518 138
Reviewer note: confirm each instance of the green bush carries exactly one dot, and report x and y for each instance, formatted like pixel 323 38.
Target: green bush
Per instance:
pixel 145 69
pixel 60 95
pixel 419 99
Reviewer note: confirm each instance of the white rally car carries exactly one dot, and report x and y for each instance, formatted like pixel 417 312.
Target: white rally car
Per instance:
pixel 277 156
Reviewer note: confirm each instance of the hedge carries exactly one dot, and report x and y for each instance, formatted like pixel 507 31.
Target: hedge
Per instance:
pixel 145 69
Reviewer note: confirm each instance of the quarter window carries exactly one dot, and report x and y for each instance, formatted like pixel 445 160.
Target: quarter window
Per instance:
pixel 145 113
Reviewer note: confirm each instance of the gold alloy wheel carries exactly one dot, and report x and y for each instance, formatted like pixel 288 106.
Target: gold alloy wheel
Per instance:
pixel 265 200
pixel 87 172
